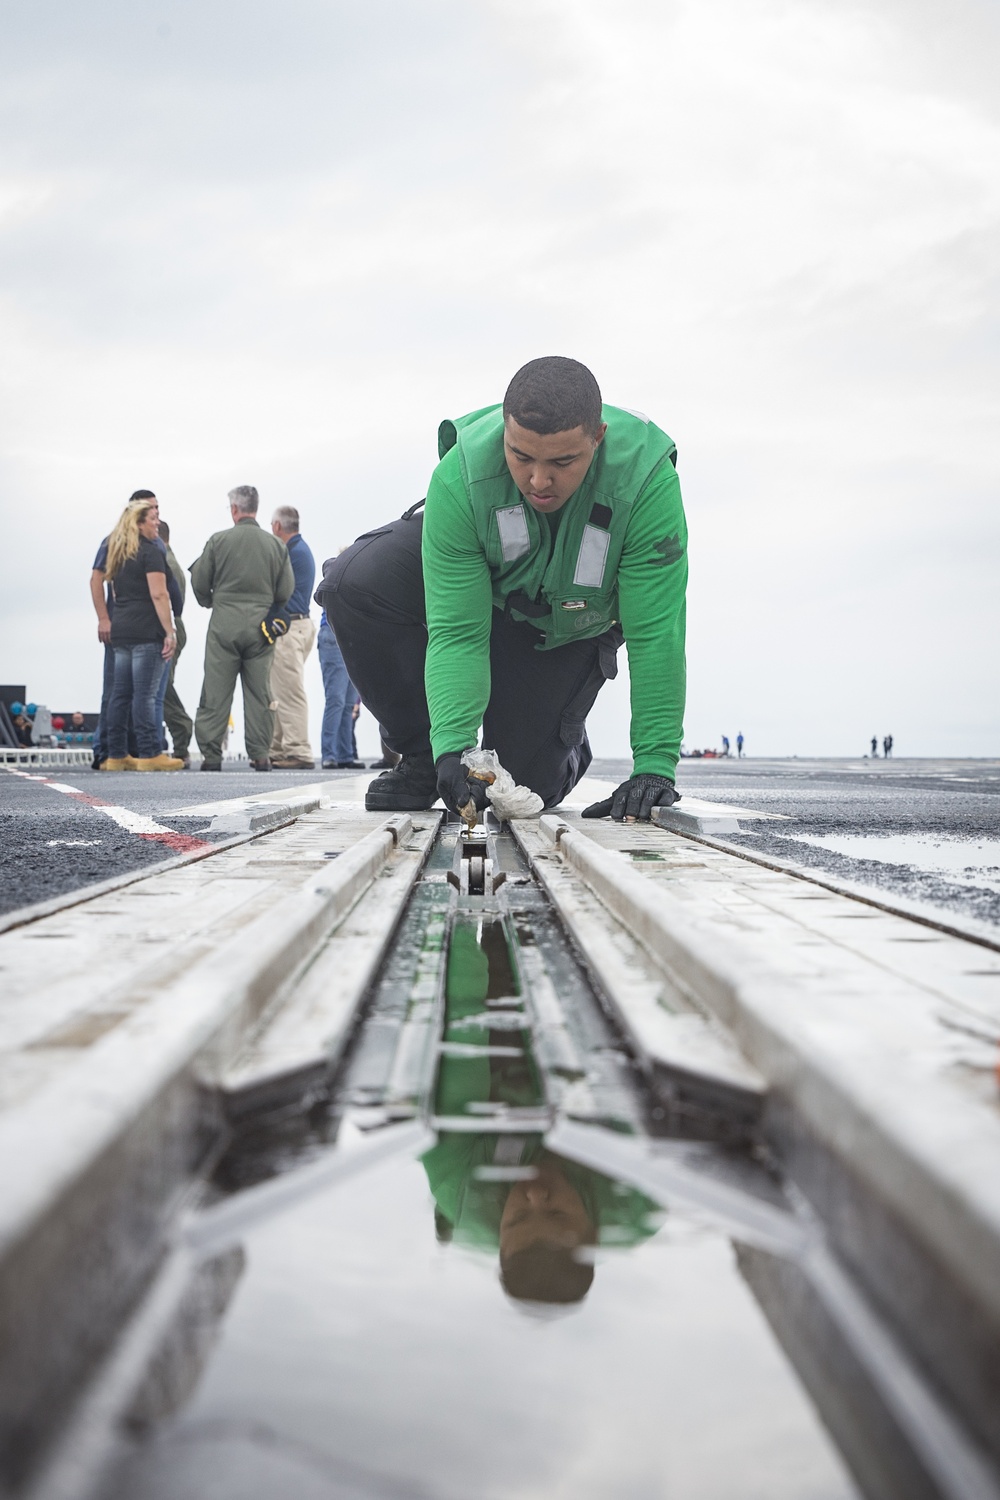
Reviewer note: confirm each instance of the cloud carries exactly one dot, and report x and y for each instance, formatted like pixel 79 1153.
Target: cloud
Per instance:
pixel 238 244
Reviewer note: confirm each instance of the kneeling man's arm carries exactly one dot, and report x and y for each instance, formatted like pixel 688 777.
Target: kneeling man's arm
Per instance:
pixel 652 581
pixel 459 599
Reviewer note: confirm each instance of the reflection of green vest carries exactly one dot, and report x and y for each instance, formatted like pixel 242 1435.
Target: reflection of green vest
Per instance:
pixel 562 579
pixel 474 1207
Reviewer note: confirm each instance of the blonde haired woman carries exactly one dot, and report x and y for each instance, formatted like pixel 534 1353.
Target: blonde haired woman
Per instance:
pixel 142 637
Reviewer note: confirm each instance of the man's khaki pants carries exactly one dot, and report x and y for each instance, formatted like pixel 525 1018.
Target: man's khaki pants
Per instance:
pixel 288 693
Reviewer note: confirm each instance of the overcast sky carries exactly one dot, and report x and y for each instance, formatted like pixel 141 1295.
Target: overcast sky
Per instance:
pixel 276 244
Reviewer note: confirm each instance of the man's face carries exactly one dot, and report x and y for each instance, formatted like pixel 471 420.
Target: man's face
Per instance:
pixel 548 468
pixel 546 1210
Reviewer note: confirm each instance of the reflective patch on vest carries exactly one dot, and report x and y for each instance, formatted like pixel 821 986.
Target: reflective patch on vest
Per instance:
pixel 574 604
pixel 592 557
pixel 633 413
pixel 513 527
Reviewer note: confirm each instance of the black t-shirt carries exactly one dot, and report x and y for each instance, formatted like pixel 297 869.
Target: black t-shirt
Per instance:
pixel 135 619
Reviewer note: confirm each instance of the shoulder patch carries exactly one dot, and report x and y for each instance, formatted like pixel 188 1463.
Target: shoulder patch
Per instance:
pixel 670 550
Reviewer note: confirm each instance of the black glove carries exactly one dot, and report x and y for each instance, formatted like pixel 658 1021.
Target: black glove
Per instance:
pixel 454 787
pixel 274 623
pixel 635 798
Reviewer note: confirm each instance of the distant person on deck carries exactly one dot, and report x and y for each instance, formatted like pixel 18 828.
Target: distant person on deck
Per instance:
pixel 874 747
pixel 340 711
pixel 290 747
pixel 739 745
pixel 178 720
pixel 887 746
pixel 142 639
pixel 22 723
pixel 725 744
pixel 102 595
pixel 243 576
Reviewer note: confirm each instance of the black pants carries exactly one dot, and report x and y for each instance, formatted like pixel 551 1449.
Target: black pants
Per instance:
pixel 373 594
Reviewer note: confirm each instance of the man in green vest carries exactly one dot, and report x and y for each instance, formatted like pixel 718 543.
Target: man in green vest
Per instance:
pixel 553 531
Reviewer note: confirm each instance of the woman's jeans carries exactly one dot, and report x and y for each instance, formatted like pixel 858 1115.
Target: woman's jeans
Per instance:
pixel 336 736
pixel 138 673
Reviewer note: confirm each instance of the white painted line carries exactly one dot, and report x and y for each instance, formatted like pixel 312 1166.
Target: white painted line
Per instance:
pixel 694 812
pixel 299 792
pixel 590 789
pixel 138 823
pixel 347 791
pixel 701 808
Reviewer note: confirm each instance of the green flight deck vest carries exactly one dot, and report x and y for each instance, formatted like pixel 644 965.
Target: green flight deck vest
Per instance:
pixel 562 579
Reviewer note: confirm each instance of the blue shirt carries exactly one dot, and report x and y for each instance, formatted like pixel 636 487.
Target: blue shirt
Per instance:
pixel 173 587
pixel 304 568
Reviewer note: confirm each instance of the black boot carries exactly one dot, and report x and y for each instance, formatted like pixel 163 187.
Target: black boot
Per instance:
pixel 410 786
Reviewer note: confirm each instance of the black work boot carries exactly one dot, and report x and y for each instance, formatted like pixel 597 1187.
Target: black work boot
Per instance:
pixel 410 786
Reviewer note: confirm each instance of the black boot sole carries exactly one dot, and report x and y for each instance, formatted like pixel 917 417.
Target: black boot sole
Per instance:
pixel 399 802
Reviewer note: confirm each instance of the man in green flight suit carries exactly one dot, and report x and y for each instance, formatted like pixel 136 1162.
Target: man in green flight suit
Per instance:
pixel 553 531
pixel 241 576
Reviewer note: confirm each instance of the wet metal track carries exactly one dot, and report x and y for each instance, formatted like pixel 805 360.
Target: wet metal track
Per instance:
pixel 495 1255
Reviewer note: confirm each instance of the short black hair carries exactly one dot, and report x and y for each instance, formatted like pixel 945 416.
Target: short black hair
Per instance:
pixel 554 394
pixel 141 495
pixel 545 1273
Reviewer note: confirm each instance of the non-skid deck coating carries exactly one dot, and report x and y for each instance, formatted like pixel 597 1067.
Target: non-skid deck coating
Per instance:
pixel 870 825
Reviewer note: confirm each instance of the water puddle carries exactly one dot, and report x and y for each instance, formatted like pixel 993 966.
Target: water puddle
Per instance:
pixel 486 1058
pixel 965 861
pixel 436 1327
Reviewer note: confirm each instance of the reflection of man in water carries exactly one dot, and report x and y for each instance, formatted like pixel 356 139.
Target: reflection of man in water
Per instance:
pixel 544 1222
pixel 541 1214
pixel 508 1192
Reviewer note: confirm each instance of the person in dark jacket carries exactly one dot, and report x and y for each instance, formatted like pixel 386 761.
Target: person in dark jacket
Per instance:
pixel 177 718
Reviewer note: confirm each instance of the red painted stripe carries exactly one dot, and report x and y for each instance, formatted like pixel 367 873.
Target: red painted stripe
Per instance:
pixel 90 801
pixel 182 842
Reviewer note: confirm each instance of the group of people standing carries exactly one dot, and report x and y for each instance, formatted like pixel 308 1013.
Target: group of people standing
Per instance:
pixel 258 586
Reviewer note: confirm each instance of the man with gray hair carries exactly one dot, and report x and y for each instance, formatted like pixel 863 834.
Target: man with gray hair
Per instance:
pixel 290 748
pixel 242 576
